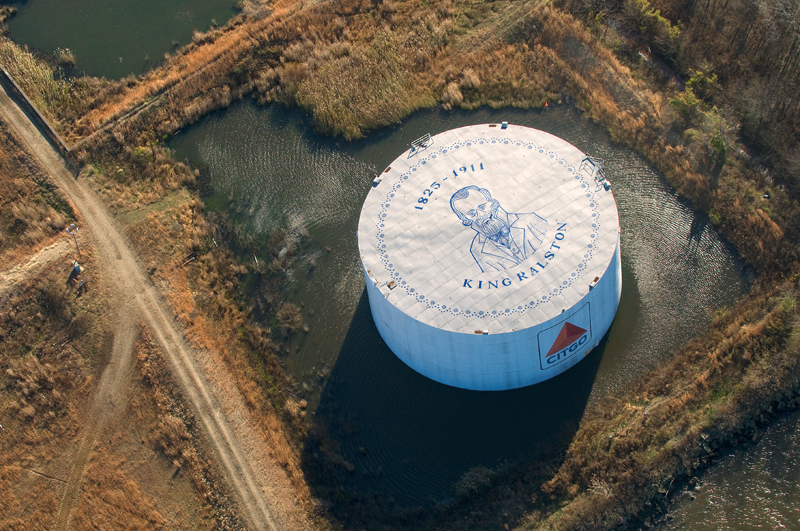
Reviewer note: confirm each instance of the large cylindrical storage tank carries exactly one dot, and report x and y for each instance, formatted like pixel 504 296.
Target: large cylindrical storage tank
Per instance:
pixel 491 256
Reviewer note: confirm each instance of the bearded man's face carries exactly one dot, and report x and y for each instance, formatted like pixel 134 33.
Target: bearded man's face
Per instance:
pixel 482 213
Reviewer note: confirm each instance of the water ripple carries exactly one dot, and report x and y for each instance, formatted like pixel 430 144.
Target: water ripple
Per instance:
pixel 753 488
pixel 408 437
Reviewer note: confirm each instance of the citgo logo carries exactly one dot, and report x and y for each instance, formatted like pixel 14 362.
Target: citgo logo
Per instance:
pixel 571 335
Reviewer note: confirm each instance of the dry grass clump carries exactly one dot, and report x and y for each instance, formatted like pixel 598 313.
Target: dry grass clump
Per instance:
pixel 289 317
pixel 256 11
pixel 6 12
pixel 469 79
pixel 36 79
pixel 474 481
pixel 171 436
pixel 333 92
pixel 31 207
pixel 65 57
pixel 451 96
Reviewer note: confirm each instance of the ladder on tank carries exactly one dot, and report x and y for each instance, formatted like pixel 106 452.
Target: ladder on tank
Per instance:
pixel 595 167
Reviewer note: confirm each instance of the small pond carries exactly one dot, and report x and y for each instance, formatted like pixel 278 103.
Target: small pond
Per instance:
pixel 398 433
pixel 114 39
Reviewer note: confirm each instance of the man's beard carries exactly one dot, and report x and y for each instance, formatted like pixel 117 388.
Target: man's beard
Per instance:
pixel 493 227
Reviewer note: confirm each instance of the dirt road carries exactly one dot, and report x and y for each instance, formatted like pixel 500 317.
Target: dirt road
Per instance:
pixel 108 400
pixel 143 300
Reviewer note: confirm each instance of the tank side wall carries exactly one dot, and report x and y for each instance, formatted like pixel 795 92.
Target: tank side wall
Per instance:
pixel 494 361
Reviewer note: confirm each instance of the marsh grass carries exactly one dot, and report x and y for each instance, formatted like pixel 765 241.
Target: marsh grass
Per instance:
pixel 414 54
pixel 36 79
pixel 32 210
pixel 65 57
pixel 333 91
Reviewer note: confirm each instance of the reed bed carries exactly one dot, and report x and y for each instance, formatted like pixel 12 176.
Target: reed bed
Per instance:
pixel 412 55
pixel 36 79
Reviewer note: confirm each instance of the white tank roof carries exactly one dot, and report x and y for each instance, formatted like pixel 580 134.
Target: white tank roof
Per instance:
pixel 438 255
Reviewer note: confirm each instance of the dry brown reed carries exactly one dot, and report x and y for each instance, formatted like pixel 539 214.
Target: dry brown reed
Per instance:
pixel 409 55
pixel 32 210
pixel 36 79
pixel 333 91
pixel 673 422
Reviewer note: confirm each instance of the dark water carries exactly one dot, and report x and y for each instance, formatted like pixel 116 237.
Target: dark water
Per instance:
pixel 404 435
pixel 749 489
pixel 111 38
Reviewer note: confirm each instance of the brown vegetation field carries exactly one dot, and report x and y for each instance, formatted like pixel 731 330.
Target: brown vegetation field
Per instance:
pixel 32 212
pixel 87 440
pixel 609 58
pixel 139 474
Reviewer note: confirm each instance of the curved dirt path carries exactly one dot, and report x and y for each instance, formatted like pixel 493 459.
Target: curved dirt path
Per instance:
pixel 120 264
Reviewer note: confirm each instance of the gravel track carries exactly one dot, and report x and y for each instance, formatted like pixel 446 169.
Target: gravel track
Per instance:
pixel 139 298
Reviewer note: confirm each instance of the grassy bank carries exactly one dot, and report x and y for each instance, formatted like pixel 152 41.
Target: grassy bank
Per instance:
pixel 32 211
pixel 146 468
pixel 630 451
pixel 231 310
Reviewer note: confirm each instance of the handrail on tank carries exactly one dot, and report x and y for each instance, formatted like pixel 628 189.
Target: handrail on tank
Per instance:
pixel 596 167
pixel 420 143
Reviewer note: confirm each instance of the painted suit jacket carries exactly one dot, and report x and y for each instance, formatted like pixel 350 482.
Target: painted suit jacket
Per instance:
pixel 525 236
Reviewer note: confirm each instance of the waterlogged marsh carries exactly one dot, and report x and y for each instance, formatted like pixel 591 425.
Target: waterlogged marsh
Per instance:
pixel 403 435
pixel 114 39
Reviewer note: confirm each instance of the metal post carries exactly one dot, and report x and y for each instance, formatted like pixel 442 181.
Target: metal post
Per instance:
pixel 73 231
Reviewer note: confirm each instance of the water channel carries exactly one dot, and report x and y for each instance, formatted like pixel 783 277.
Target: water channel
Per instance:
pixel 269 169
pixel 398 433
pixel 114 39
pixel 753 488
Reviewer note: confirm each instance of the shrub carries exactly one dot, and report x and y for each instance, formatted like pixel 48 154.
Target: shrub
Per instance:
pixel 686 104
pixel 171 436
pixel 469 79
pixel 655 30
pixel 451 96
pixel 65 57
pixel 289 317
pixel 475 480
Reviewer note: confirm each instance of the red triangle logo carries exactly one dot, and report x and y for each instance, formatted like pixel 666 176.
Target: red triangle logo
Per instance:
pixel 568 335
